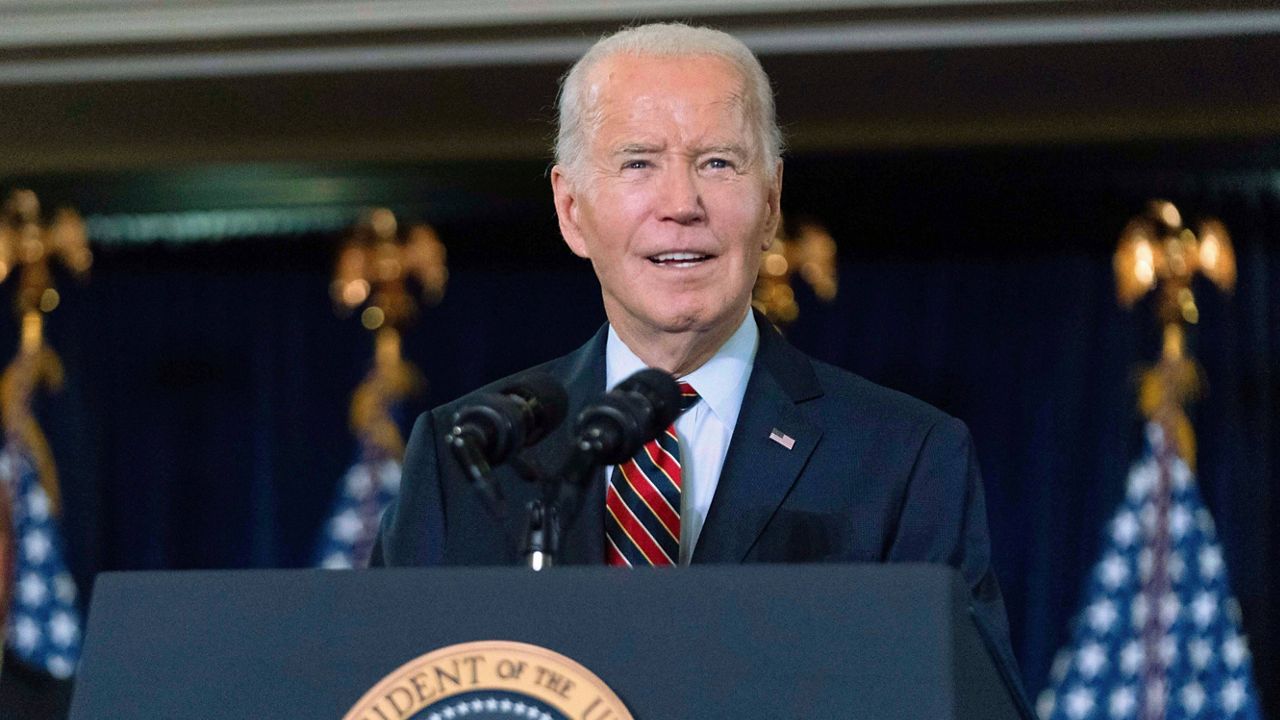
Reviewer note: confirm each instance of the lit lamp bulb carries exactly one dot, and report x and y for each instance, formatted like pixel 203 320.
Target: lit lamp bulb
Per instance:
pixel 355 292
pixel 1217 257
pixel 1169 214
pixel 1144 264
pixel 1137 262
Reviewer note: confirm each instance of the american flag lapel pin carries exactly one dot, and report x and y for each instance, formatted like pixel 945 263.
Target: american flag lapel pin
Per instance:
pixel 782 438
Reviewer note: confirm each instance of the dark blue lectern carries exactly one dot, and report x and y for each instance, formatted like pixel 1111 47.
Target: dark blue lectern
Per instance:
pixel 736 642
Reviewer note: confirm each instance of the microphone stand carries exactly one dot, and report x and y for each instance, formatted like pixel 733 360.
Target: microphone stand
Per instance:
pixel 561 500
pixel 548 516
pixel 541 543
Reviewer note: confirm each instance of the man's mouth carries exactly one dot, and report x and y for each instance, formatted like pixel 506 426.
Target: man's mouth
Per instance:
pixel 678 259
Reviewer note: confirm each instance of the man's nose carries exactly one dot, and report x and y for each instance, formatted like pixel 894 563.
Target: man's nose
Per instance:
pixel 681 195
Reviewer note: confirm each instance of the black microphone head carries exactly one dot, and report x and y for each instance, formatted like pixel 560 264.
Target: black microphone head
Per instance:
pixel 493 422
pixel 546 400
pixel 661 391
pixel 628 416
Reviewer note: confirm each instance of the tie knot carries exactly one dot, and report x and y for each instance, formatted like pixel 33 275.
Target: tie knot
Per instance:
pixel 688 396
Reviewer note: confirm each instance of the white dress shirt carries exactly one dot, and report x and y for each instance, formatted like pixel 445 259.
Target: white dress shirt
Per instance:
pixel 705 428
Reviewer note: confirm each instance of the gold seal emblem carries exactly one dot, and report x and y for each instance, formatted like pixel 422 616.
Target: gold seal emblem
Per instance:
pixel 490 680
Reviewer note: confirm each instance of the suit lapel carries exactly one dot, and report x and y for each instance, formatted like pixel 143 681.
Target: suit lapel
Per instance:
pixel 759 471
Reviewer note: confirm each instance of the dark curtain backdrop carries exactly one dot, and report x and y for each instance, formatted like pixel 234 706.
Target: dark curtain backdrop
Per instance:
pixel 204 420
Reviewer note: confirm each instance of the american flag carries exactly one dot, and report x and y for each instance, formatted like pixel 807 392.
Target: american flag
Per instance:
pixel 44 623
pixel 1159 636
pixel 367 489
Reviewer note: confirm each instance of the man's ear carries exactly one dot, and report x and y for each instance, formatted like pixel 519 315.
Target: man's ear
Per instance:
pixel 773 205
pixel 567 211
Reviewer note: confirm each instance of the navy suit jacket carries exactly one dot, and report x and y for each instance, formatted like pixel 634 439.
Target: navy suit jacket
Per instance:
pixel 873 476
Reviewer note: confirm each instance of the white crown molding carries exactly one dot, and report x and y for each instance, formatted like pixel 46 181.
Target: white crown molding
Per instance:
pixel 793 39
pixel 52 23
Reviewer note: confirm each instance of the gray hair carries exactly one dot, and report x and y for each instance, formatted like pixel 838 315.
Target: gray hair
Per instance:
pixel 665 40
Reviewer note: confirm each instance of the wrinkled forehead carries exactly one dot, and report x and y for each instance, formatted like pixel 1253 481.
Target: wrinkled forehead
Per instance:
pixel 625 86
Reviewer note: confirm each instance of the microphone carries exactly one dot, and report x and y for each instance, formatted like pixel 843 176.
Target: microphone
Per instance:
pixel 628 416
pixel 613 429
pixel 497 425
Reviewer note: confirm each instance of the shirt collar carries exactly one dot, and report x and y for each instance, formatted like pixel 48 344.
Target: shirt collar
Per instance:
pixel 721 381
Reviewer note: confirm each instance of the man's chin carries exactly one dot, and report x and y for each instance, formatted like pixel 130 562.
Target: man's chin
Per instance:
pixel 676 316
pixel 698 321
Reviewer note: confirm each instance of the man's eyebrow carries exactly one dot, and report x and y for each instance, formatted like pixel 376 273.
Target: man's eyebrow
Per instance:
pixel 637 149
pixel 733 148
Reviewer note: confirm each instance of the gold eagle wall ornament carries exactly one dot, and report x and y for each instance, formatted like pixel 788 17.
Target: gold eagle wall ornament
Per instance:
pixel 373 272
pixel 1157 252
pixel 809 253
pixel 27 249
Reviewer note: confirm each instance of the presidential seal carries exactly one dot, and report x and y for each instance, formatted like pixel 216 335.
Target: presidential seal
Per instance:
pixel 490 680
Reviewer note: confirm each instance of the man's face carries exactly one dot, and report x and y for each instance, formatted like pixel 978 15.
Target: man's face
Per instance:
pixel 673 205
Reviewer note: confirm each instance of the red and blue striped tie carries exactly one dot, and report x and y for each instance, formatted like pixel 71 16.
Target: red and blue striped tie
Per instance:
pixel 642 501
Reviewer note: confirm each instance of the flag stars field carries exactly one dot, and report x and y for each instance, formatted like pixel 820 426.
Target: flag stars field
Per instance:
pixel 1123 702
pixel 1169 609
pixel 63 629
pixel 64 588
pixel 1192 698
pixel 1132 657
pixel 1234 652
pixel 1179 521
pixel 1177 568
pixel 1146 564
pixel 44 622
pixel 37 505
pixel 1091 660
pixel 1210 562
pixel 1141 482
pixel 1200 653
pixel 1205 521
pixel 347 526
pixel 1113 571
pixel 26 634
pixel 1102 616
pixel 1125 529
pixel 1233 696
pixel 1168 650
pixel 1138 612
pixel 60 667
pixel 36 546
pixel 1204 608
pixel 1202 668
pixel 1079 703
pixel 366 490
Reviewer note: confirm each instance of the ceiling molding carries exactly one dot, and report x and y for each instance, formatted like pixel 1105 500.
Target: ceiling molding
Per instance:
pixel 788 39
pixel 51 23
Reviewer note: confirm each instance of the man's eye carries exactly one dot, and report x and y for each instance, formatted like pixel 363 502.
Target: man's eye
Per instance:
pixel 718 164
pixel 635 165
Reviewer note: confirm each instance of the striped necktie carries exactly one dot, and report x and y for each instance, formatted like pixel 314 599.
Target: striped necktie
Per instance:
pixel 642 501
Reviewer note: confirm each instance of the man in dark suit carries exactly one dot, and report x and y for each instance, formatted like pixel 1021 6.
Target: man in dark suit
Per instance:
pixel 668 179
